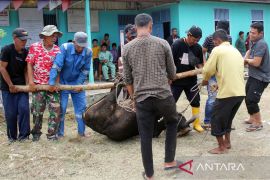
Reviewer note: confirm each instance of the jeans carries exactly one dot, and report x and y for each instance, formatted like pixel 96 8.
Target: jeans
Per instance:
pixel 146 112
pixel 17 112
pixel 79 103
pixel 210 100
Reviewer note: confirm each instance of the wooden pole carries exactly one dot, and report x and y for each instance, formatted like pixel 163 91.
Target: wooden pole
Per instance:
pixel 99 86
pixel 67 87
pixel 188 73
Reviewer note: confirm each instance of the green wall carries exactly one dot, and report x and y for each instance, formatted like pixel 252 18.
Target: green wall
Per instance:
pixel 201 13
pixel 183 16
pixel 14 23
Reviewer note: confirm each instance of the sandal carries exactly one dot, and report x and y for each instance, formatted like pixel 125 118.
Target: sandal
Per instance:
pixel 178 163
pixel 253 127
pixel 144 175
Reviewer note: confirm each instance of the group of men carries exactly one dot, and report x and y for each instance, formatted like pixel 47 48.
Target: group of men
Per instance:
pixel 44 64
pixel 150 67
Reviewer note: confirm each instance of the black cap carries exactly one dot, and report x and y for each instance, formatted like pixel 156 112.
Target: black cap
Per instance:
pixel 195 31
pixel 20 33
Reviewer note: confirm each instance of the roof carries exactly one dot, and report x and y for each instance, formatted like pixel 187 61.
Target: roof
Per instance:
pixel 109 4
pixel 245 1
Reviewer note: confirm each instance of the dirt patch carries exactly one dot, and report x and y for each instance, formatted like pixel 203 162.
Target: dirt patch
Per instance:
pixel 97 157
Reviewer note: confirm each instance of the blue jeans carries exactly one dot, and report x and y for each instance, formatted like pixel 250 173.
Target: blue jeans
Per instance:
pixel 79 103
pixel 17 112
pixel 210 101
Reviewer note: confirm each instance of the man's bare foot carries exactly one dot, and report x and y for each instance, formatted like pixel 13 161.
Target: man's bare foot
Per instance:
pixel 228 145
pixel 218 150
pixel 248 121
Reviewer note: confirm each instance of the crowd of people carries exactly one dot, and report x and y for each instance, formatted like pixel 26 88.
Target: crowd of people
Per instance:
pixel 43 64
pixel 149 68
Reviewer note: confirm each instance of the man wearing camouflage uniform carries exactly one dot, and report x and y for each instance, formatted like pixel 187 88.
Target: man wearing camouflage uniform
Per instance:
pixel 40 60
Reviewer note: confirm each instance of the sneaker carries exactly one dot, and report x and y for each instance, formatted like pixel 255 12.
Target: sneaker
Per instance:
pixel 35 138
pixel 10 140
pixel 52 137
pixel 23 139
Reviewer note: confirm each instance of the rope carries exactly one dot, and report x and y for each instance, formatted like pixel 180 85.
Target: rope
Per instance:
pixel 127 104
pixel 195 88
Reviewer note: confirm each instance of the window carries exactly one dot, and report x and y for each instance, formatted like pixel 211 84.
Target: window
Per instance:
pixel 125 19
pixel 221 15
pixel 257 16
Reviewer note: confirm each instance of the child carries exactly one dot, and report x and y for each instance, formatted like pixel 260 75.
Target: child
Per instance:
pixel 115 54
pixel 96 50
pixel 106 59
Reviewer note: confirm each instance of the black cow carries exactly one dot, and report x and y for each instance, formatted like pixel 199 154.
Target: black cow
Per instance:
pixel 119 123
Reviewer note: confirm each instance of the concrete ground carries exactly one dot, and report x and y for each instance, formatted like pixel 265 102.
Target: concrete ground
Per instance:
pixel 97 157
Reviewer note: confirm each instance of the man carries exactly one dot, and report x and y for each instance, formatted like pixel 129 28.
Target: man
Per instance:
pixel 226 63
pixel 187 54
pixel 173 37
pixel 130 32
pixel 258 63
pixel 73 64
pixel 207 48
pixel 247 42
pixel 106 60
pixel 240 43
pixel 13 68
pixel 40 60
pixel 148 66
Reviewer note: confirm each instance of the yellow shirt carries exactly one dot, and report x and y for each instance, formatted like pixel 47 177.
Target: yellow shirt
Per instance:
pixel 95 51
pixel 227 64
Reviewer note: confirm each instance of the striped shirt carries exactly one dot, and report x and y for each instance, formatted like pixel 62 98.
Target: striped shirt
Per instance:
pixel 148 64
pixel 209 43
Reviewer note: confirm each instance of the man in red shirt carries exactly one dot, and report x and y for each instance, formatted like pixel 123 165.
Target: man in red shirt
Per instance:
pixel 39 63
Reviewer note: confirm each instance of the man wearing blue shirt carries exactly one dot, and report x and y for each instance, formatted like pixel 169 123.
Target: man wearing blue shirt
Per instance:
pixel 73 64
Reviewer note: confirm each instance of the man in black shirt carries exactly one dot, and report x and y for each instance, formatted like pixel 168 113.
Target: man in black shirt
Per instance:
pixel 13 71
pixel 187 54
pixel 173 37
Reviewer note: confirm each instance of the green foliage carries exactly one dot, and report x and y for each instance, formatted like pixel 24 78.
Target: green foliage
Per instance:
pixel 2 33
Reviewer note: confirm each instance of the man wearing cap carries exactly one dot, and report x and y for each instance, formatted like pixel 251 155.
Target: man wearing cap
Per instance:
pixel 40 60
pixel 187 54
pixel 73 64
pixel 14 72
